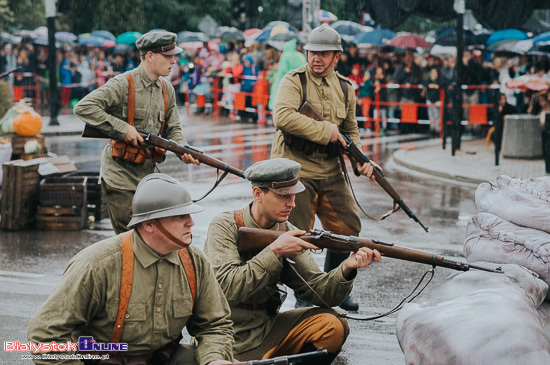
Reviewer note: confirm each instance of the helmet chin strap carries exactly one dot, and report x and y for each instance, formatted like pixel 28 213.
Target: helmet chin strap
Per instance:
pixel 168 235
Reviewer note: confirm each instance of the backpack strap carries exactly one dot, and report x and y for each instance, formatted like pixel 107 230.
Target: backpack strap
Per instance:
pixel 128 276
pixel 165 95
pixel 131 98
pixel 344 86
pixel 125 284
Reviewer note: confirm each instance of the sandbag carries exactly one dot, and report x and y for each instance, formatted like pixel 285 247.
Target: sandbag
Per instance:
pixel 477 317
pixel 493 239
pixel 525 202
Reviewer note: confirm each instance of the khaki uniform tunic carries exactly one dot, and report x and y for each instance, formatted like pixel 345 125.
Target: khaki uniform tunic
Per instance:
pixel 326 96
pixel 85 302
pixel 252 279
pixel 106 109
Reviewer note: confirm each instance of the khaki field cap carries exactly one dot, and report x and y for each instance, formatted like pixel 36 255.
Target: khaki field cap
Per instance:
pixel 280 175
pixel 158 42
pixel 159 196
pixel 324 38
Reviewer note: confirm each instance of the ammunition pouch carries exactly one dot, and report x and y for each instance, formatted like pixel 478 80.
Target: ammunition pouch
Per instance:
pixel 307 147
pixel 121 151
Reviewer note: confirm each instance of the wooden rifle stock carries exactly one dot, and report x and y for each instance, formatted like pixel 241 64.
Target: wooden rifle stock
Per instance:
pixel 252 240
pixel 155 140
pixel 360 157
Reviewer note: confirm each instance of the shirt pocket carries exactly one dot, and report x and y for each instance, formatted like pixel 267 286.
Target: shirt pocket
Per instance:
pixel 135 321
pixel 340 115
pixel 182 309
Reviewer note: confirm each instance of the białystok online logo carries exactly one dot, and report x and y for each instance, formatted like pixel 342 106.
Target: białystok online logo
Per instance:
pixel 85 343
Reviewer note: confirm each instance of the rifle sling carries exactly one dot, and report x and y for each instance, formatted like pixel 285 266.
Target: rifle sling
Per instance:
pixel 348 182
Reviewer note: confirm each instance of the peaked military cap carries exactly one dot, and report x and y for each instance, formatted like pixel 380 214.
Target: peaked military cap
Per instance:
pixel 280 175
pixel 158 42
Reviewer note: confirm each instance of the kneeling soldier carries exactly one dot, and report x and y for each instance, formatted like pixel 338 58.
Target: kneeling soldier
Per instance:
pixel 251 282
pixel 141 288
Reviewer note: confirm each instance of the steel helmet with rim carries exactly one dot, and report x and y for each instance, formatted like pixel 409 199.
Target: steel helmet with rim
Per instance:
pixel 158 196
pixel 324 38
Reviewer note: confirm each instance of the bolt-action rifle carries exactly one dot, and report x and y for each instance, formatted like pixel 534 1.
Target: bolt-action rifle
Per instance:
pixel 284 360
pixel 155 140
pixel 354 151
pixel 252 240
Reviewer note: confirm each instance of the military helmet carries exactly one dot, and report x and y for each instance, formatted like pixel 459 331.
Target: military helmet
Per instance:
pixel 324 38
pixel 158 196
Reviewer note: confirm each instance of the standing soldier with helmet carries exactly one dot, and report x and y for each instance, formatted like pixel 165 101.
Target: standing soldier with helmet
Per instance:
pixel 307 141
pixel 138 99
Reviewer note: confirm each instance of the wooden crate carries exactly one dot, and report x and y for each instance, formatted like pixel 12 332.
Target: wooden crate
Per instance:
pixel 18 145
pixel 97 203
pixel 62 203
pixel 19 194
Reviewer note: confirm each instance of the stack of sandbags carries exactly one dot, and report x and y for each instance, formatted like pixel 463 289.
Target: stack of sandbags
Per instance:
pixel 513 224
pixel 477 317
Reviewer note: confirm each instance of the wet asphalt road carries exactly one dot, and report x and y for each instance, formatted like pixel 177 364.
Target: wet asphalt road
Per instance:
pixel 32 262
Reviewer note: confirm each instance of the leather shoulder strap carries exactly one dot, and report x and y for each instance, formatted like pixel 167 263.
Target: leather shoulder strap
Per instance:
pixel 344 86
pixel 165 95
pixel 125 284
pixel 303 81
pixel 239 217
pixel 189 268
pixel 131 98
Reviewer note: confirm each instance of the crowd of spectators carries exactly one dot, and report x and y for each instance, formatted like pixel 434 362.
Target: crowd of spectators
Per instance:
pixel 255 69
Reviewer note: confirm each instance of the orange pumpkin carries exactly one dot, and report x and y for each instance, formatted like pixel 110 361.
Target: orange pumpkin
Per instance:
pixel 27 124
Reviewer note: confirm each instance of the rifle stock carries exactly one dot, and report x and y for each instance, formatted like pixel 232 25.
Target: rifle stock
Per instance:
pixel 153 139
pixel 252 240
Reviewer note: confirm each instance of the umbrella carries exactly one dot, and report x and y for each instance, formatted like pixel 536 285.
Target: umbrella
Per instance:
pixel 8 38
pixel 252 32
pixel 447 36
pixel 109 44
pixel 347 27
pixel 191 46
pixel 543 37
pixel 129 37
pixel 24 33
pixel 504 45
pixel 376 37
pixel 504 34
pixel 185 37
pixel 267 34
pixel 229 34
pixel 278 40
pixel 274 23
pixel 91 41
pixel 122 48
pixel 536 26
pixel 522 47
pixel 439 50
pixel 40 32
pixel 104 34
pixel 408 40
pixel 528 82
pixel 65 37
pixel 44 42
pixel 324 16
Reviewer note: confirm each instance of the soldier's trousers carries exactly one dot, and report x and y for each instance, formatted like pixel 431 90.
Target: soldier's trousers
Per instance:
pixel 331 200
pixel 119 204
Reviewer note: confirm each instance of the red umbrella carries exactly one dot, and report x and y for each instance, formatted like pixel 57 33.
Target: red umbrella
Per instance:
pixel 409 41
pixel 528 82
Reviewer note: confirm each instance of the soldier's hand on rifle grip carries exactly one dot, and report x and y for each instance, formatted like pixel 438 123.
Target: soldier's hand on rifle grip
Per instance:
pixel 367 169
pixel 187 158
pixel 336 136
pixel 288 245
pixel 132 136
pixel 362 258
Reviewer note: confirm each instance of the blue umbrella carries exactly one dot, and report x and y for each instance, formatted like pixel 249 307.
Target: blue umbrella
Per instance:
pixel 266 34
pixel 447 36
pixel 376 37
pixel 504 34
pixel 543 37
pixel 128 37
pixel 105 34
pixel 65 37
pixel 91 41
